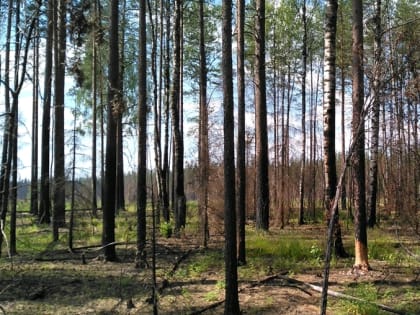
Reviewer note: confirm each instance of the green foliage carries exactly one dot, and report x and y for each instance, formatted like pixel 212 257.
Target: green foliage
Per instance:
pixel 211 296
pixel 215 294
pixel 166 229
pixel 203 262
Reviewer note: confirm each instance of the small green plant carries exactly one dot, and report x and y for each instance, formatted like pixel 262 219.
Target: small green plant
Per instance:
pixel 185 293
pixel 211 296
pixel 316 252
pixel 166 229
pixel 221 284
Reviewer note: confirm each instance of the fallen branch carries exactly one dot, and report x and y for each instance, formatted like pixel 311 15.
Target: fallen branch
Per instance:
pixel 208 307
pixel 178 261
pixel 304 286
pixel 99 247
pixel 341 295
pixel 252 285
pixel 165 281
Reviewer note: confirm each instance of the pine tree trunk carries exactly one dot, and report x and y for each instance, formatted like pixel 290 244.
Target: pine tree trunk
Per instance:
pixel 261 139
pixel 241 146
pixel 231 275
pixel 45 204
pixel 301 219
pixel 361 259
pixel 114 100
pixel 59 157
pixel 4 176
pixel 142 141
pixel 95 34
pixel 35 104
pixel 204 147
pixel 373 169
pixel 166 83
pixel 179 195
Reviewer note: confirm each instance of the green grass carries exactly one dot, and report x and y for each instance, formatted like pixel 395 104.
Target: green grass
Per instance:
pixel 294 249
pixel 365 291
pixel 200 263
pixel 288 251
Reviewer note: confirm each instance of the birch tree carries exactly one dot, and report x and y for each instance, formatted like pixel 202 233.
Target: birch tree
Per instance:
pixel 330 171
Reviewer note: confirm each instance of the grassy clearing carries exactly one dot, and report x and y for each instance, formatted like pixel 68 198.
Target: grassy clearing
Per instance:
pixel 47 279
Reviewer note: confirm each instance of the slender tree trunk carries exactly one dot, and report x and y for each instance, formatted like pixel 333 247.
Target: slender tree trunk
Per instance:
pixel 166 74
pixel 14 135
pixel 373 170
pixel 283 155
pixel 59 157
pixel 73 180
pixel 157 63
pixel 114 100
pixel 119 190
pixel 231 276
pixel 204 147
pixel 261 139
pixel 290 91
pixel 142 141
pixel 156 107
pixel 361 249
pixel 95 33
pixel 179 196
pixel 301 219
pixel 241 145
pixel 35 104
pixel 4 178
pixel 343 67
pixel 45 203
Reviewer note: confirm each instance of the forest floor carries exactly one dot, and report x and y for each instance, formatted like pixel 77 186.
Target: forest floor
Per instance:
pixel 190 280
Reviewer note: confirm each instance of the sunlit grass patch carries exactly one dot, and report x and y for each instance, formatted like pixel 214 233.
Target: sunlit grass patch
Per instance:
pixel 202 262
pixel 282 251
pixel 365 291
